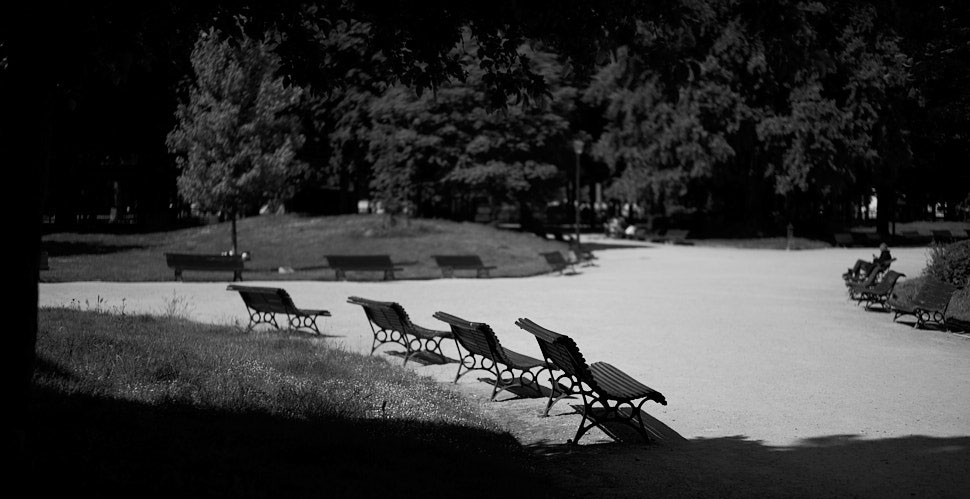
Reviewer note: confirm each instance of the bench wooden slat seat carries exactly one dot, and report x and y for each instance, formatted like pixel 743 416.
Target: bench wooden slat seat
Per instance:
pixel 341 264
pixel 876 293
pixel 180 262
pixel 391 324
pixel 264 303
pixel 483 351
pixel 558 262
pixel 450 263
pixel 609 394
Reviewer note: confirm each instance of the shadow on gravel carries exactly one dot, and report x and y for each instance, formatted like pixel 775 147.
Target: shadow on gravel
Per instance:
pixel 828 466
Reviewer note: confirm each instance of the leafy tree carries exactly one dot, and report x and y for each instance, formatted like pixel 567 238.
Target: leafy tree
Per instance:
pixel 753 111
pixel 237 136
pixel 454 142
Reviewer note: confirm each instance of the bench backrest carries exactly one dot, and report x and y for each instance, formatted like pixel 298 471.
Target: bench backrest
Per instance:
pixel 476 337
pixel 360 262
pixel 561 351
pixel 555 258
pixel 204 262
pixel 843 238
pixel 265 299
pixel 887 283
pixel 934 295
pixel 459 261
pixel 389 316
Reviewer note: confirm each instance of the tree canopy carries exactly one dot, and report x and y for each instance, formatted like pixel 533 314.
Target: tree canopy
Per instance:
pixel 237 136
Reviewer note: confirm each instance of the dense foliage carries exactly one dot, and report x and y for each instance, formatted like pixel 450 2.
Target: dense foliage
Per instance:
pixel 237 137
pixel 950 263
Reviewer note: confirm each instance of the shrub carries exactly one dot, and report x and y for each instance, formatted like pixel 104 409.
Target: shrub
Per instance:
pixel 950 263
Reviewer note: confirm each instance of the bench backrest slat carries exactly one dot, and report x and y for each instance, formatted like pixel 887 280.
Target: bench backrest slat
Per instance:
pixel 266 299
pixel 561 350
pixel 389 316
pixel 887 283
pixel 476 337
pixel 934 295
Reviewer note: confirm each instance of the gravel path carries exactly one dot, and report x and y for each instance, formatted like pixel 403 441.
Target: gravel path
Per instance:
pixel 760 355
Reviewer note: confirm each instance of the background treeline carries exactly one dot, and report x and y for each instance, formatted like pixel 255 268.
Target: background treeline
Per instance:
pixel 732 117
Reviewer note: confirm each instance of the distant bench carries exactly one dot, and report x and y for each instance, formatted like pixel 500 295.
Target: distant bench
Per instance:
pixel 557 261
pixel 213 263
pixel 450 263
pixel 377 263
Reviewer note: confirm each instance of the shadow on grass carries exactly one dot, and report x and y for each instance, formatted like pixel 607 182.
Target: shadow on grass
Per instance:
pixel 827 466
pixel 69 248
pixel 79 445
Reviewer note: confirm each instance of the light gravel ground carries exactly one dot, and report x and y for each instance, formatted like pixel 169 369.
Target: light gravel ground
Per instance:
pixel 754 347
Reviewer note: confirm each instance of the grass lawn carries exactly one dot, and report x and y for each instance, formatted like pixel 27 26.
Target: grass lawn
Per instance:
pixel 294 242
pixel 161 406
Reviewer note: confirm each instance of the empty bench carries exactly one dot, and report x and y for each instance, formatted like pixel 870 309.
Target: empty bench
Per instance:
pixel 450 263
pixel 341 264
pixel 181 262
pixel 264 303
pixel 557 261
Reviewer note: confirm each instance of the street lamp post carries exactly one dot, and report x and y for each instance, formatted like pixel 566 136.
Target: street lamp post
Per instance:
pixel 578 149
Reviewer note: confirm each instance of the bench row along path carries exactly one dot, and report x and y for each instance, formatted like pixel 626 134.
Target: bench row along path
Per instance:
pixel 759 344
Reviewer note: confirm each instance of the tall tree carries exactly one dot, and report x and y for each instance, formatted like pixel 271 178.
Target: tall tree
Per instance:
pixel 747 110
pixel 238 134
pixel 455 140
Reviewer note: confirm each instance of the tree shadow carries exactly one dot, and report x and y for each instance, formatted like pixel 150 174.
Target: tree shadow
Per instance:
pixel 737 466
pixel 80 445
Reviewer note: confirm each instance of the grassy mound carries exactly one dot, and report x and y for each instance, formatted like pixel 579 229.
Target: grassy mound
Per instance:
pixel 296 243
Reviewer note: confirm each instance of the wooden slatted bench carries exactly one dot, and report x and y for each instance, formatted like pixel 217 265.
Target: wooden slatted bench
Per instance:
pixel 391 324
pixel 44 262
pixel 609 394
pixel 264 303
pixel 484 352
pixel 181 262
pixel 450 263
pixel 557 261
pixel 341 264
pixel 931 301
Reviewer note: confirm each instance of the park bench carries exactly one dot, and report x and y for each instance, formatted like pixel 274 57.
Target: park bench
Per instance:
pixel 43 263
pixel 609 394
pixel 844 239
pixel 876 293
pixel 450 263
pixel 391 324
pixel 942 236
pixel 673 236
pixel 264 303
pixel 928 305
pixel 484 352
pixel 341 264
pixel 557 261
pixel 181 262
pixel 931 302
